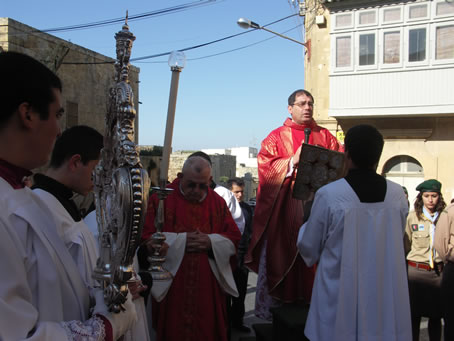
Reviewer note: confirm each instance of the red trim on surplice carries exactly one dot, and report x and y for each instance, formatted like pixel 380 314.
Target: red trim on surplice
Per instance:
pixel 14 175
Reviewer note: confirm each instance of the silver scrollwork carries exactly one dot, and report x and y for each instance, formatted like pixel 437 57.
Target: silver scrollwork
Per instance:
pixel 121 184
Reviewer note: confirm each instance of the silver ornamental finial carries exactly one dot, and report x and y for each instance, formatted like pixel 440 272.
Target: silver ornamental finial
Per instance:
pixel 121 184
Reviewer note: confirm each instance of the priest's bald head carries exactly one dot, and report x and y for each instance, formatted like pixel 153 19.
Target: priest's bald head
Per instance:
pixel 195 178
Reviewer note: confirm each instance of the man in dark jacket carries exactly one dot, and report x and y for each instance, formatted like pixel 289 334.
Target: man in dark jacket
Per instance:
pixel 236 185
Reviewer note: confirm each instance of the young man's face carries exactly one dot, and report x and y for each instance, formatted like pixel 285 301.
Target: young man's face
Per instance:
pixel 84 177
pixel 302 109
pixel 238 192
pixel 47 131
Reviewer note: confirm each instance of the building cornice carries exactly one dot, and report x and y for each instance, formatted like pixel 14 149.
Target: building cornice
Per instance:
pixel 344 5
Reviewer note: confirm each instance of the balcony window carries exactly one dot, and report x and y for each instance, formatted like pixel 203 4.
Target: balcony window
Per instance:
pixel 367 49
pixel 445 8
pixel 417 45
pixel 391 15
pixel 367 18
pixel 444 44
pixel 343 51
pixel 417 12
pixel 343 21
pixel 391 47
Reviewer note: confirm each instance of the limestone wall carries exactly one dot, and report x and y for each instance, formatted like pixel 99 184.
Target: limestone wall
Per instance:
pixel 86 75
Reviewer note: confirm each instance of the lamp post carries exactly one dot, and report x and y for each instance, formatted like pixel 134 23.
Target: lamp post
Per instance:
pixel 177 61
pixel 246 24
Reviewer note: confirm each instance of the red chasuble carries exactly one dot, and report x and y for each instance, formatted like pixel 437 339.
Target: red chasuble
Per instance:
pixel 278 217
pixel 194 308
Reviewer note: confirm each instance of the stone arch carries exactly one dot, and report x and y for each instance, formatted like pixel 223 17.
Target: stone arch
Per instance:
pixel 406 171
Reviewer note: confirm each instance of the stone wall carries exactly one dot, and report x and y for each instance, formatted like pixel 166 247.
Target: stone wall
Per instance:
pixel 86 75
pixel 222 165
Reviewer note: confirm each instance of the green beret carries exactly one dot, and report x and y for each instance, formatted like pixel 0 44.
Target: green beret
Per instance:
pixel 431 185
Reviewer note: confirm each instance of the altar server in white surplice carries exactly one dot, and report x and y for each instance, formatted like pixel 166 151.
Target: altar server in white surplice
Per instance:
pixel 74 157
pixel 355 233
pixel 42 294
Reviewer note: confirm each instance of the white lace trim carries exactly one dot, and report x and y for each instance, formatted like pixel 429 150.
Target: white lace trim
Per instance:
pixel 90 330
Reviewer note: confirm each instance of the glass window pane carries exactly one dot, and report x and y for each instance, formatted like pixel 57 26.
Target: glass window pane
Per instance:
pixel 367 18
pixel 392 14
pixel 414 167
pixel 391 48
pixel 417 45
pixel 419 11
pixel 445 8
pixel 393 165
pixel 444 45
pixel 367 49
pixel 343 51
pixel 344 20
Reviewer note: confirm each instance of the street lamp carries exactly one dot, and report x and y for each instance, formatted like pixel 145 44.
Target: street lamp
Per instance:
pixel 246 24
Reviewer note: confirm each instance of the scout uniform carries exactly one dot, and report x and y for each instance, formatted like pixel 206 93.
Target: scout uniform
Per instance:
pixel 444 244
pixel 424 263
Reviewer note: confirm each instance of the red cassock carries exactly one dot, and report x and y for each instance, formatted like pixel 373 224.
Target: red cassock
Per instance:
pixel 195 305
pixel 278 217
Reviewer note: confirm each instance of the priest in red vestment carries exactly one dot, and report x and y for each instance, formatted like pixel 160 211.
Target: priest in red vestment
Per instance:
pixel 202 237
pixel 282 275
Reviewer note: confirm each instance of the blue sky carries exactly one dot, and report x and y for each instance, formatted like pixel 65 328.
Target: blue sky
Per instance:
pixel 229 100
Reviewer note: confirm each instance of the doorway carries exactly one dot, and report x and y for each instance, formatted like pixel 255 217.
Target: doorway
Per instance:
pixel 406 171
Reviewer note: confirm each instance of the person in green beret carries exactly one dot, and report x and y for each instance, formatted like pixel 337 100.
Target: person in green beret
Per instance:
pixel 424 264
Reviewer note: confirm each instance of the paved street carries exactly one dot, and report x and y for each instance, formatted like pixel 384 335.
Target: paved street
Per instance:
pixel 250 318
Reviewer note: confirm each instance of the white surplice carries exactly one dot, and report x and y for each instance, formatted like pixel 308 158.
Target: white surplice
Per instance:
pixel 223 249
pixel 233 205
pixel 360 290
pixel 40 285
pixel 140 331
pixel 76 235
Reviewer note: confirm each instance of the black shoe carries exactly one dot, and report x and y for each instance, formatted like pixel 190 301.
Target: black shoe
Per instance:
pixel 242 328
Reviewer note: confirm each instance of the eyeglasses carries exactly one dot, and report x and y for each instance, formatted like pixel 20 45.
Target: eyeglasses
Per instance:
pixel 303 104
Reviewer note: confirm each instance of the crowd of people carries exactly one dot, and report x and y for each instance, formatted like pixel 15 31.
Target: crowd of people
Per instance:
pixel 368 267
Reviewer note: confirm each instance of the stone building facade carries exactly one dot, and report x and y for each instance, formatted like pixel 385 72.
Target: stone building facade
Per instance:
pixel 86 75
pixel 246 166
pixel 389 64
pixel 223 167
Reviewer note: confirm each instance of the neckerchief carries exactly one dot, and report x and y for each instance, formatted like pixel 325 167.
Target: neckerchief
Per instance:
pixel 433 220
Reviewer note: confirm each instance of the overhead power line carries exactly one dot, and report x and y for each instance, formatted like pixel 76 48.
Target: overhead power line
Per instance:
pixel 194 46
pixel 223 52
pixel 165 11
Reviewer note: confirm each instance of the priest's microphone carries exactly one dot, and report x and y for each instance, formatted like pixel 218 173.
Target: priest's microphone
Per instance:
pixel 307 133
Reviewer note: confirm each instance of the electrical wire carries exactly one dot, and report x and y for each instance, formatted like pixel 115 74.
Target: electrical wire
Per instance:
pixel 186 48
pixel 223 52
pixel 140 16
